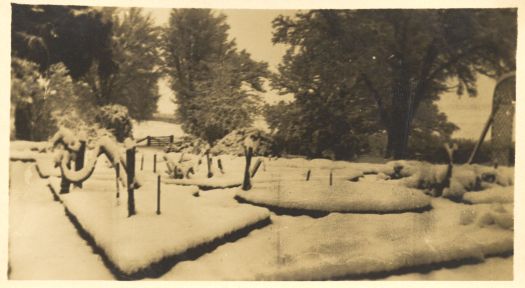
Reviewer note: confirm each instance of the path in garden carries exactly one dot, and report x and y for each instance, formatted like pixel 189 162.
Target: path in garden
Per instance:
pixel 43 244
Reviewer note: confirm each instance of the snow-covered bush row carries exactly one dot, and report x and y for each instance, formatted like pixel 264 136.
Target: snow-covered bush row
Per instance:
pixel 343 196
pixel 20 145
pixel 134 243
pixel 187 144
pixel 465 178
pixel 492 195
pixel 349 245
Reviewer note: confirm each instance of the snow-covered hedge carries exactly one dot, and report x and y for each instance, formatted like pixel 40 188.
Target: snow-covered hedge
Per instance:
pixel 343 196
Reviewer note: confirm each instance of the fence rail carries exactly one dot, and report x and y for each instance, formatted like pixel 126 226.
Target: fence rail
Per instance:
pixel 157 140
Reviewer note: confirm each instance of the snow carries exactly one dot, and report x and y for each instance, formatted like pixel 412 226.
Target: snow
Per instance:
pixel 348 245
pixel 156 128
pixel 336 246
pixel 21 145
pixel 23 156
pixel 134 243
pixel 43 244
pixel 493 268
pixel 496 194
pixel 343 196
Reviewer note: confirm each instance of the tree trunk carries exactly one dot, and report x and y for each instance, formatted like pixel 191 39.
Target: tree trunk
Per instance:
pixel 400 120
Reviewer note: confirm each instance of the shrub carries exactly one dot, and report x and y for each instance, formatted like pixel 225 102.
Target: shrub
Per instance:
pixel 116 119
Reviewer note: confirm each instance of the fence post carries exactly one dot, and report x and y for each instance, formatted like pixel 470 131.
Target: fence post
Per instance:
pixel 171 139
pixel 148 140
pixel 142 162
pixel 158 194
pixel 246 185
pixel 308 175
pixel 130 167
pixel 330 177
pixel 79 161
pixel 155 163
pixel 64 183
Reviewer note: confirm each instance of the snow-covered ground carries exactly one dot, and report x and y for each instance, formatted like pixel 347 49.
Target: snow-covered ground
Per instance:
pixel 341 246
pixel 336 246
pixel 134 243
pixel 43 244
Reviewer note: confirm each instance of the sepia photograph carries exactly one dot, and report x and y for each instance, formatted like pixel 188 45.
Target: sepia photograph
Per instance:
pixel 219 144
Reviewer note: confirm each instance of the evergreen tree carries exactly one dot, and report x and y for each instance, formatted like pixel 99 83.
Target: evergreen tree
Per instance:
pixel 216 85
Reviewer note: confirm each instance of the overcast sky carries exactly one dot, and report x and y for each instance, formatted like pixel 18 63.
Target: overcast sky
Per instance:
pixel 252 30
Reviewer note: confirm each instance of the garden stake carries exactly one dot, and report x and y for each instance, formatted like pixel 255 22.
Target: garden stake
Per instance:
pixel 158 194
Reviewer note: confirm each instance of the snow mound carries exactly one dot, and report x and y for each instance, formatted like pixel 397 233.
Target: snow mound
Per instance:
pixel 349 246
pixel 493 195
pixel 343 196
pixel 20 145
pixel 134 244
pixel 482 215
pixel 25 156
pixel 26 150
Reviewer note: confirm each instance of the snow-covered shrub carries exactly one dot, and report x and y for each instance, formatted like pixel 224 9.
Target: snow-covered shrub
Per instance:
pixel 116 119
pixel 232 144
pixel 44 101
pixel 464 178
pixel 187 144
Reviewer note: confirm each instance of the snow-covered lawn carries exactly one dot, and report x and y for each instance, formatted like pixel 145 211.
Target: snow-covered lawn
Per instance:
pixel 43 244
pixel 336 246
pixel 349 246
pixel 133 244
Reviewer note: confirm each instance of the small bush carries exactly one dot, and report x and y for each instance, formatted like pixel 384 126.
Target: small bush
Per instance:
pixel 116 119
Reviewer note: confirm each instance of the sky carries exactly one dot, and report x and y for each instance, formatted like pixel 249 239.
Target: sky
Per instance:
pixel 252 30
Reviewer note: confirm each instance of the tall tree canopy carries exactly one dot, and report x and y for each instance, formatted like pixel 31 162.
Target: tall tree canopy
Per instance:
pixel 135 45
pixel 396 58
pixel 74 35
pixel 216 85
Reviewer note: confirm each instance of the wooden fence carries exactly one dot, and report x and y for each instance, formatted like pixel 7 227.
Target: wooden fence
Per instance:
pixel 160 141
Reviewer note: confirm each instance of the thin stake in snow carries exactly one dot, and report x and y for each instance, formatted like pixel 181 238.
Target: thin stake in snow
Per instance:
pixel 154 163
pixel 308 175
pixel 142 162
pixel 256 167
pixel 117 171
pixel 246 185
pixel 331 181
pixel 208 163
pixel 158 194
pixel 219 164
pixel 130 165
